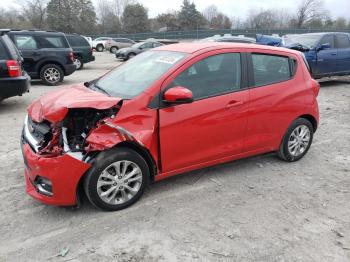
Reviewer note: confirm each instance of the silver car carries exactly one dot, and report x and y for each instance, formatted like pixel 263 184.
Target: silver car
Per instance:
pixel 113 45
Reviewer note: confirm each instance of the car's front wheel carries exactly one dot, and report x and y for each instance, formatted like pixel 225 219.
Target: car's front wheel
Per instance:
pixel 297 140
pixel 99 48
pixel 116 179
pixel 51 74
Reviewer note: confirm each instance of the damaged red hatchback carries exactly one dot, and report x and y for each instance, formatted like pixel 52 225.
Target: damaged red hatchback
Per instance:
pixel 167 111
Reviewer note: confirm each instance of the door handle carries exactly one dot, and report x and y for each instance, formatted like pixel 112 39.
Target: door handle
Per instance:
pixel 333 53
pixel 234 103
pixel 36 54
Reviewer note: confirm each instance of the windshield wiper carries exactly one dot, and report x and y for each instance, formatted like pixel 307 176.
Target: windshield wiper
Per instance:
pixel 93 86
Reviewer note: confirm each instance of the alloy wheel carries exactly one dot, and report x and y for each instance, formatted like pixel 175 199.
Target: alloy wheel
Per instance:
pixel 52 75
pixel 299 140
pixel 119 182
pixel 77 63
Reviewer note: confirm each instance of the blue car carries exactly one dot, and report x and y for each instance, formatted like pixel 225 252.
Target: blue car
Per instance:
pixel 328 54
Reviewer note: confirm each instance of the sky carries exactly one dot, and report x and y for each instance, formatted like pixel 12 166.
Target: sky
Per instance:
pixel 237 8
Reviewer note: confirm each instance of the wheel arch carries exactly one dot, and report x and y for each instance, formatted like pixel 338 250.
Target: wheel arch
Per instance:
pixel 312 120
pixel 126 144
pixel 50 62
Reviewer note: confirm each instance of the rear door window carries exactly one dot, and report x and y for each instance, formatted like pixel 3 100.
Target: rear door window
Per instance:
pixel 342 41
pixel 269 69
pixel 25 42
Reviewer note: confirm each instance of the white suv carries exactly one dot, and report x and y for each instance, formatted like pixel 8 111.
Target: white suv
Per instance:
pixel 99 43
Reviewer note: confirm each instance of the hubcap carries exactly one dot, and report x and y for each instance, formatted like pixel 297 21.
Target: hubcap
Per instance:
pixel 119 182
pixel 52 75
pixel 299 140
pixel 77 63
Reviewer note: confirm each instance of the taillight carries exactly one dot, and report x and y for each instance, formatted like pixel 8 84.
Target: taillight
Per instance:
pixel 14 68
pixel 71 56
pixel 315 86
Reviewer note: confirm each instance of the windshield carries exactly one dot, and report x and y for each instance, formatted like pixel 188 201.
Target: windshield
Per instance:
pixel 137 45
pixel 306 40
pixel 135 76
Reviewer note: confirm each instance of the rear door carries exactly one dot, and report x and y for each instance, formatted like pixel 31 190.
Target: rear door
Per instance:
pixel 342 43
pixel 326 58
pixel 212 127
pixel 276 97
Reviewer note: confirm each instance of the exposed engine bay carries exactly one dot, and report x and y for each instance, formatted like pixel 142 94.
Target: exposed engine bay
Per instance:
pixel 69 135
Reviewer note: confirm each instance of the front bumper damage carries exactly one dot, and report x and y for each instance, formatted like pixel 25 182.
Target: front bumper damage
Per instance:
pixel 62 172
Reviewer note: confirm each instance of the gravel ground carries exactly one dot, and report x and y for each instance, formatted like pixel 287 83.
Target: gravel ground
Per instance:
pixel 256 209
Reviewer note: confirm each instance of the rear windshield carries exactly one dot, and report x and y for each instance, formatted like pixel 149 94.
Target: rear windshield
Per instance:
pixel 11 47
pixel 3 52
pixel 76 41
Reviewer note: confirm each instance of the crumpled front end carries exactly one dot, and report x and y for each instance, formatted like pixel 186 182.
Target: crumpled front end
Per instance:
pixel 55 156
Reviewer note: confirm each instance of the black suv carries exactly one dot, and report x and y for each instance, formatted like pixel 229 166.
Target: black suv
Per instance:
pixel 47 54
pixel 13 80
pixel 81 49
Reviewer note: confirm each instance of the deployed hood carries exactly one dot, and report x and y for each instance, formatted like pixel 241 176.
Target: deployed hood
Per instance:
pixel 55 105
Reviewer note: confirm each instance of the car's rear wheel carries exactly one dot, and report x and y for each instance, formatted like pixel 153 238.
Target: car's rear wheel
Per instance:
pixel 51 74
pixel 297 140
pixel 99 48
pixel 113 49
pixel 116 179
pixel 78 61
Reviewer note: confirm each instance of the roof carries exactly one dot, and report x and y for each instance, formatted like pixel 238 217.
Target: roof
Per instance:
pixel 207 46
pixel 35 32
pixel 320 33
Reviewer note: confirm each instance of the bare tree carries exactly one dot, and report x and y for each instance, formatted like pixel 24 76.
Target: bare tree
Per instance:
pixel 35 12
pixel 309 10
pixel 210 12
pixel 262 19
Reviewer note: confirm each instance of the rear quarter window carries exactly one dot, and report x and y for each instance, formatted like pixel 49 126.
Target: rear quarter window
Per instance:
pixel 269 69
pixel 52 41
pixel 77 41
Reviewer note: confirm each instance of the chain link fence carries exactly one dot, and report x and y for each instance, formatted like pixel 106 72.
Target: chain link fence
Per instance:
pixel 199 34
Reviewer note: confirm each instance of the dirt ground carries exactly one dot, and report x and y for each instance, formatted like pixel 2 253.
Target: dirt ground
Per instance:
pixel 256 209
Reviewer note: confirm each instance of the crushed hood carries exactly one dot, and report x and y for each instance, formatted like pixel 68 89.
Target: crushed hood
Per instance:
pixel 55 105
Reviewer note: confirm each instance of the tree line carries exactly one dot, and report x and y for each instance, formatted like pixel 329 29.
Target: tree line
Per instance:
pixel 129 16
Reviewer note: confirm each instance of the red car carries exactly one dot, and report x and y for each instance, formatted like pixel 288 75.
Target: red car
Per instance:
pixel 167 111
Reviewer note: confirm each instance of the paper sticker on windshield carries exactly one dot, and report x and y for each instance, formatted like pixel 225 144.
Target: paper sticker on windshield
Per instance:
pixel 168 59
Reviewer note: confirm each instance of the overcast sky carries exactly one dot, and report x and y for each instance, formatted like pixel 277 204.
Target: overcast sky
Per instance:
pixel 237 8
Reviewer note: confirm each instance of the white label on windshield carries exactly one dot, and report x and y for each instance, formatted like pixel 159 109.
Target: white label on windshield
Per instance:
pixel 168 59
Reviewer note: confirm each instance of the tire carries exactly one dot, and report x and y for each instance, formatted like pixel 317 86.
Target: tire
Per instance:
pixel 296 141
pixel 102 178
pixel 131 55
pixel 78 61
pixel 99 48
pixel 113 49
pixel 51 74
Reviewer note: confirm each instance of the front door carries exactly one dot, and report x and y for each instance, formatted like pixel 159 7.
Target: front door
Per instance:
pixel 213 125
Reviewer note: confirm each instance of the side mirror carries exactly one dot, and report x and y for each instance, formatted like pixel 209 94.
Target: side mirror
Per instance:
pixel 324 46
pixel 178 95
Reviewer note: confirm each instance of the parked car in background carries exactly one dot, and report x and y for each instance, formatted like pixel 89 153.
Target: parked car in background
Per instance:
pixel 170 110
pixel 14 81
pixel 47 54
pixel 81 49
pixel 328 54
pixel 113 45
pixel 130 52
pixel 229 39
pixel 99 43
